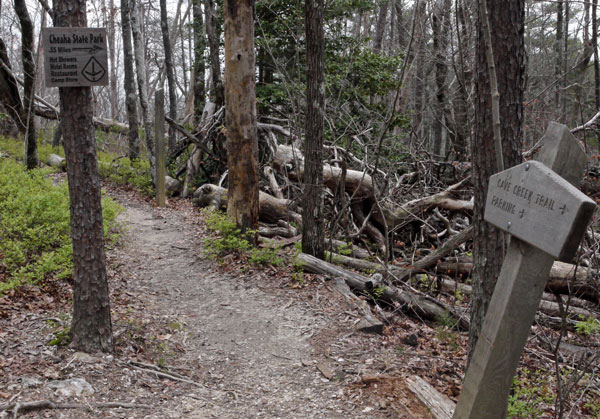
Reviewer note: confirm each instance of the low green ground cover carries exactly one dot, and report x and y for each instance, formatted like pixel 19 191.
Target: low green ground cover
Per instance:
pixel 35 241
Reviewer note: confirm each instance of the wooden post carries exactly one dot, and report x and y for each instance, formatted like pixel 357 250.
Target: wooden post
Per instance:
pixel 526 267
pixel 159 147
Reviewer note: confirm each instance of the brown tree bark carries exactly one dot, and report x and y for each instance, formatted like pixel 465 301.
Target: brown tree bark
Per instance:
pixel 114 94
pixel 240 114
pixel 142 80
pixel 313 235
pixel 216 94
pixel 31 156
pixel 199 67
pixel 440 25
pixel 558 65
pixel 380 26
pixel 91 328
pixel 9 89
pixel 164 27
pixel 509 57
pixel 129 75
pixel 596 60
pixel 419 82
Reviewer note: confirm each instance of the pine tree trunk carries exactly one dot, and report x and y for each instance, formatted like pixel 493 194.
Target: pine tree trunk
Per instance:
pixel 91 328
pixel 313 234
pixel 440 26
pixel 380 26
pixel 114 94
pixel 419 87
pixel 559 55
pixel 199 68
pixel 129 76
pixel 164 26
pixel 31 156
pixel 240 114
pixel 216 93
pixel 140 66
pixel 509 57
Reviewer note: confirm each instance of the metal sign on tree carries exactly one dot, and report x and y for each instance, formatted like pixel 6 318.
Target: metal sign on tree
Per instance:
pixel 75 57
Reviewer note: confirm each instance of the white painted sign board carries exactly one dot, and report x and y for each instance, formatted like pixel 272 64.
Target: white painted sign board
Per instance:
pixel 75 57
pixel 536 205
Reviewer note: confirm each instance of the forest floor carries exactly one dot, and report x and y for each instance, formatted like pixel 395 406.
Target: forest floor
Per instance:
pixel 234 341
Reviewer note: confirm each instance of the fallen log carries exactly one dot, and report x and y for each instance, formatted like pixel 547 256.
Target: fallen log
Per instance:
pixel 368 323
pixel 359 185
pixel 548 304
pixel 431 259
pixel 410 300
pixel 56 161
pixel 282 229
pixel 396 216
pixel 356 251
pixel 106 125
pixel 173 186
pixel 271 209
pixel 564 278
pixel 440 406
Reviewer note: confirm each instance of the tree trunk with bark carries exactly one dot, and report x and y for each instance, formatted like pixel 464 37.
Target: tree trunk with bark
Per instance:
pixel 142 81
pixel 240 114
pixel 558 51
pixel 313 236
pixel 129 84
pixel 380 26
pixel 440 25
pixel 199 67
pixel 217 94
pixel 164 26
pixel 31 155
pixel 114 94
pixel 91 328
pixel 509 56
pixel 419 86
pixel 9 90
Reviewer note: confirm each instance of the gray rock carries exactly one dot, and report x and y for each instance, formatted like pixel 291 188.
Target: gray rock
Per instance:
pixel 71 387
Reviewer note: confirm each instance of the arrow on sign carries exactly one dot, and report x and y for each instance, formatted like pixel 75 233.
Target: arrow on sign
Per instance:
pixel 90 50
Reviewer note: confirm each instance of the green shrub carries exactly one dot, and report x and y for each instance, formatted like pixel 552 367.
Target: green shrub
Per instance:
pixel 530 394
pixel 231 240
pixel 35 238
pixel 587 327
pixel 14 148
pixel 123 171
pixel 120 171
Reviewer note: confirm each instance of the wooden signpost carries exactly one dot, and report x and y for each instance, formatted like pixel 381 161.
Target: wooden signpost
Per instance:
pixel 547 216
pixel 159 147
pixel 75 57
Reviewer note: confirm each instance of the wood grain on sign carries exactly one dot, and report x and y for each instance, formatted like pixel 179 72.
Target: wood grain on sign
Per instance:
pixel 536 205
pixel 75 57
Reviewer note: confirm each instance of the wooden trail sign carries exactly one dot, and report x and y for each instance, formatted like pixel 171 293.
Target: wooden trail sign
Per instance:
pixel 75 57
pixel 536 205
pixel 554 231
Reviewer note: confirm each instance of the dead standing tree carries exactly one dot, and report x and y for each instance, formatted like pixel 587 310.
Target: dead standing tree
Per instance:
pixel 240 116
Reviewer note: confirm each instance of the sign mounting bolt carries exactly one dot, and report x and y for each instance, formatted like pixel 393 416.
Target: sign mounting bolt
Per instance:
pixel 508 225
pixel 526 166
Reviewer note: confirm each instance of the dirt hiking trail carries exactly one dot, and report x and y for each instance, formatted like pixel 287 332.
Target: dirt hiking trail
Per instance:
pixel 229 342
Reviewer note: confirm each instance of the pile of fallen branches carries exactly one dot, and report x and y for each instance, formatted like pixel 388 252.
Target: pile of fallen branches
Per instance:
pixel 413 226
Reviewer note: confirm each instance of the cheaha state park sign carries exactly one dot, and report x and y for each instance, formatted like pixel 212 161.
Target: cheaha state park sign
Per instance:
pixel 75 57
